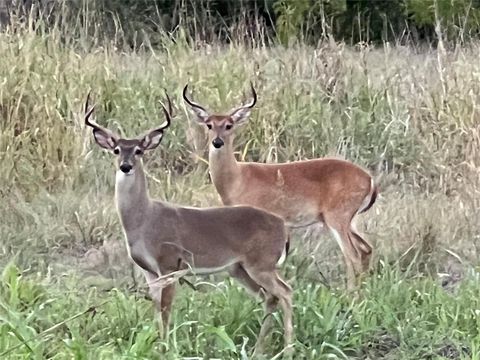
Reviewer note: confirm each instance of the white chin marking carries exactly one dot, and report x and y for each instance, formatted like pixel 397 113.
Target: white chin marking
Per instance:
pixel 121 176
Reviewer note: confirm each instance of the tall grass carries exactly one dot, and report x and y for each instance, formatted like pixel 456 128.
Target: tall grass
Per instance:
pixel 410 115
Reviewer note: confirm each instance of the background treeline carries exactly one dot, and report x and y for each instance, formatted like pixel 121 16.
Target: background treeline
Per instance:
pixel 262 20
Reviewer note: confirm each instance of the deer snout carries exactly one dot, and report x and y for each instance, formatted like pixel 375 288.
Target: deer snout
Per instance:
pixel 217 143
pixel 125 167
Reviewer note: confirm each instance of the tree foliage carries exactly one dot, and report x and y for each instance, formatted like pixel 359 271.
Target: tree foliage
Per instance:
pixel 282 20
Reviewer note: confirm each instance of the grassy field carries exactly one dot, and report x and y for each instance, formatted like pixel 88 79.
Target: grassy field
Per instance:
pixel 410 115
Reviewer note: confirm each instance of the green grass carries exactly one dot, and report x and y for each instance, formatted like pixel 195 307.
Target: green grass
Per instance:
pixel 395 316
pixel 410 116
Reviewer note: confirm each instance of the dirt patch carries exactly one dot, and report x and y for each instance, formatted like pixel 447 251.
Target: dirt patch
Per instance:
pixel 380 346
pixel 450 351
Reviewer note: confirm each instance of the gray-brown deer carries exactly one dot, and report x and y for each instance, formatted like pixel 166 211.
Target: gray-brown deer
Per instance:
pixel 165 239
pixel 327 191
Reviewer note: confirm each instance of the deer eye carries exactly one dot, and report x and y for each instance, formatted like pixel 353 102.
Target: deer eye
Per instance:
pixel 209 127
pixel 228 126
pixel 138 152
pixel 116 151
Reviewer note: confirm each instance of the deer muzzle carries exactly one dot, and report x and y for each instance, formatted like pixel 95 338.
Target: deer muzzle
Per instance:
pixel 125 167
pixel 217 143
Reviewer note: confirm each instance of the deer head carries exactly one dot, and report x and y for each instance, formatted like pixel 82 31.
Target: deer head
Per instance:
pixel 128 151
pixel 221 127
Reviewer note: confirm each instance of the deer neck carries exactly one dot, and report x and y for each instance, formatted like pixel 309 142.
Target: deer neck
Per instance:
pixel 131 194
pixel 224 169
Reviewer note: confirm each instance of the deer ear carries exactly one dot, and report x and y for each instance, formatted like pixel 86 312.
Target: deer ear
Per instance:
pixel 152 140
pixel 104 139
pixel 240 116
pixel 200 115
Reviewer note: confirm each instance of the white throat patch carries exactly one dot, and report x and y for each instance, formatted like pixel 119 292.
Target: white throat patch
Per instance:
pixel 123 179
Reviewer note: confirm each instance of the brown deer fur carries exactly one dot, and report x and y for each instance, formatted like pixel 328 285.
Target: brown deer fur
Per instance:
pixel 327 191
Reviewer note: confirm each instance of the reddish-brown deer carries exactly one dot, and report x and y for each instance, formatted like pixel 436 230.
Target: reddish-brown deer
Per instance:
pixel 166 240
pixel 327 191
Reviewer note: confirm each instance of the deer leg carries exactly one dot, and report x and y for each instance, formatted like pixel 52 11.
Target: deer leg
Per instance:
pixel 168 294
pixel 348 250
pixel 271 304
pixel 156 294
pixel 357 253
pixel 279 289
pixel 238 272
pixel 364 249
pixel 287 307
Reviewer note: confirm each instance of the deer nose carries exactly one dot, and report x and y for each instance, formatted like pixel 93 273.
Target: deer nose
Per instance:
pixel 217 143
pixel 124 167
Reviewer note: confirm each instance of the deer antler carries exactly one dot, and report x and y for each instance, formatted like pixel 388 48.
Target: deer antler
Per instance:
pixel 254 97
pixel 168 113
pixel 88 114
pixel 191 103
pixel 250 104
pixel 103 136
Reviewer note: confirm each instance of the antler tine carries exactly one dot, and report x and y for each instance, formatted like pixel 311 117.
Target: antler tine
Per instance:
pixel 93 124
pixel 190 102
pixel 250 104
pixel 168 113
pixel 87 101
pixel 170 106
pixel 254 97
pixel 88 112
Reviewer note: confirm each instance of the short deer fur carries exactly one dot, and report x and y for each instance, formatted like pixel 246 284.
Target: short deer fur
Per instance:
pixel 327 191
pixel 164 238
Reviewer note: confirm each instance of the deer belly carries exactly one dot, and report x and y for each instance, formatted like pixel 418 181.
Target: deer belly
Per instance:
pixel 205 268
pixel 296 211
pixel 301 215
pixel 301 221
